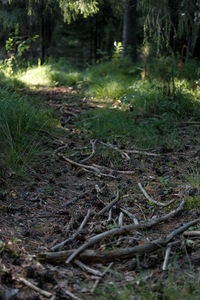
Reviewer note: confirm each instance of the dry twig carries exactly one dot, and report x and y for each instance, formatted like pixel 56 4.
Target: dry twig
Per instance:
pixel 151 199
pixel 58 246
pixel 35 288
pixel 97 280
pixel 102 256
pixel 110 205
pixel 88 269
pixel 93 142
pixel 117 231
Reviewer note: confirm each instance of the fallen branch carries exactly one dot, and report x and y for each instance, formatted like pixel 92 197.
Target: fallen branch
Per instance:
pixel 110 205
pixel 85 167
pixel 121 215
pixel 115 171
pixel 58 246
pixel 167 254
pixel 35 288
pixel 72 295
pixel 192 233
pixel 123 153
pixel 130 215
pixel 78 164
pixel 117 231
pixel 93 142
pixel 151 199
pixel 102 256
pixel 88 269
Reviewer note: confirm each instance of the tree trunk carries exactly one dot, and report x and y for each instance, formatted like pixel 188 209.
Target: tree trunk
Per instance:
pixel 129 30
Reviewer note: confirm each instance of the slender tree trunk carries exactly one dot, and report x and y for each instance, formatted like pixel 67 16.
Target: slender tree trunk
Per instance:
pixel 129 30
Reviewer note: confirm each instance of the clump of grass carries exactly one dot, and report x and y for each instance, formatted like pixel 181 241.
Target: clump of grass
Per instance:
pixel 21 127
pixel 51 74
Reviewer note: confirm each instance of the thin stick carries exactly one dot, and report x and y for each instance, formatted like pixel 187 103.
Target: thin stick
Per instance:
pixel 93 142
pixel 88 269
pixel 151 199
pixel 142 152
pixel 110 205
pixel 35 288
pixel 97 280
pixel 130 215
pixel 192 233
pixel 117 231
pixel 121 215
pixel 78 164
pixel 72 295
pixel 123 154
pixel 116 171
pixel 74 235
pixel 167 254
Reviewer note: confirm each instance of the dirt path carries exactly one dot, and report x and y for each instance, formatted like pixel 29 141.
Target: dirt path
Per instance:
pixel 38 214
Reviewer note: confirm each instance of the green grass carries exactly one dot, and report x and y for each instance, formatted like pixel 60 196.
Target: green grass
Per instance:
pixel 179 287
pixel 50 74
pixel 22 128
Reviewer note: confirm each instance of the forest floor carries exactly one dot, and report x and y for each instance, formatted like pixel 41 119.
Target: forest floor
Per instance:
pixel 64 198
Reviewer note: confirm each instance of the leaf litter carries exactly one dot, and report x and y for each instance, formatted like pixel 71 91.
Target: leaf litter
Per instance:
pixel 79 221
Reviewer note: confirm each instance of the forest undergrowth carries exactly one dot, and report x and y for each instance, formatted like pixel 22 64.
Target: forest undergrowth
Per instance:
pixel 75 141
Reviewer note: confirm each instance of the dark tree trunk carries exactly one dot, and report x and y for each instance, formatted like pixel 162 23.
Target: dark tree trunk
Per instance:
pixel 129 30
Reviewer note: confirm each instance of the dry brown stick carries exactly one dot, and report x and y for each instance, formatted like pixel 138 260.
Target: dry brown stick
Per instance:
pixel 35 288
pixel 72 295
pixel 74 235
pixel 110 205
pixel 192 233
pixel 115 171
pixel 117 231
pixel 123 153
pixel 130 215
pixel 79 164
pixel 102 256
pixel 99 174
pixel 151 199
pixel 167 254
pixel 121 215
pixel 142 152
pixel 103 274
pixel 88 269
pixel 93 142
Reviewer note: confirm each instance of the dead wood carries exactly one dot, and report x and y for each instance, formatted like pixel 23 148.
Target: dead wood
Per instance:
pixel 97 280
pixel 93 142
pixel 35 288
pixel 117 231
pixel 88 269
pixel 102 256
pixel 61 244
pixel 152 200
pixel 71 254
pixel 110 205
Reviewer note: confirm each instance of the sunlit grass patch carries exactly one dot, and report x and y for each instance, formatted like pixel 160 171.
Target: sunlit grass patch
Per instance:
pixel 22 128
pixel 37 76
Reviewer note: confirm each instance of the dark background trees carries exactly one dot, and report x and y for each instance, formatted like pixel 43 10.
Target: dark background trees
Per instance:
pixel 85 34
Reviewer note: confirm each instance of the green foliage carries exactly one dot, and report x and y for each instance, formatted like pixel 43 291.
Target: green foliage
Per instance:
pixel 72 8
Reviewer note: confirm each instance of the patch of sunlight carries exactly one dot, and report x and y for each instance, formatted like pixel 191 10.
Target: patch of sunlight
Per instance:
pixel 37 76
